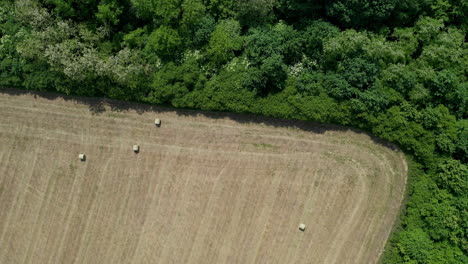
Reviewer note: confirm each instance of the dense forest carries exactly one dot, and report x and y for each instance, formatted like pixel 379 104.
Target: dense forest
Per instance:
pixel 397 69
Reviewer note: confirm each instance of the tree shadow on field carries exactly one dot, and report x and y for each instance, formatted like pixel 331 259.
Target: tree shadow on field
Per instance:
pixel 98 106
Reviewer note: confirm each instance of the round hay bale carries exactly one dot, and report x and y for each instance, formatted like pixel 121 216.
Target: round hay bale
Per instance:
pixel 157 122
pixel 302 227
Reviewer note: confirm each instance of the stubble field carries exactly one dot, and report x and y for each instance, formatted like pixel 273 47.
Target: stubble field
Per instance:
pixel 205 188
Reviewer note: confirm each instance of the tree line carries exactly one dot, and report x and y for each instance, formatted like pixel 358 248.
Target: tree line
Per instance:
pixel 397 69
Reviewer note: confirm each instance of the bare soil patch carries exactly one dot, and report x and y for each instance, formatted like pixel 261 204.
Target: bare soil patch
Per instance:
pixel 204 188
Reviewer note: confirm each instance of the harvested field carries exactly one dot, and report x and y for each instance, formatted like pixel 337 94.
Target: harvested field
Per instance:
pixel 204 188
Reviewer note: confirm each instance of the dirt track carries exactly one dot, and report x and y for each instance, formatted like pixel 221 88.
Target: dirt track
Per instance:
pixel 202 190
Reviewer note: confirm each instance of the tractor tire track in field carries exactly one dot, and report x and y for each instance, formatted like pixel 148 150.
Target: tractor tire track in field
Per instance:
pixel 201 190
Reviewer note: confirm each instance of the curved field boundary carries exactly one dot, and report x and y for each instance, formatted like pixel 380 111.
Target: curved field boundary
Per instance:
pixel 205 187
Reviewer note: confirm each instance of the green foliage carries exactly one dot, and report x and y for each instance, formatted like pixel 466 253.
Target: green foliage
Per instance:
pixel 136 38
pixel 427 28
pixel 202 31
pixel 398 124
pixel 226 92
pixel 193 12
pixel 314 35
pixel 461 143
pixel 162 12
pixel 11 64
pixel 358 72
pixel 399 77
pixel 255 12
pixel 224 41
pixel 270 50
pixel 76 9
pixel 109 12
pixel 40 77
pixel 173 81
pixel 439 212
pixel 164 42
pixel 221 9
pixel 453 175
pixel 167 12
pixel 359 13
pixel 321 108
pixel 143 9
pixel 339 88
pixel 395 68
pixel 446 51
pixel 416 244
